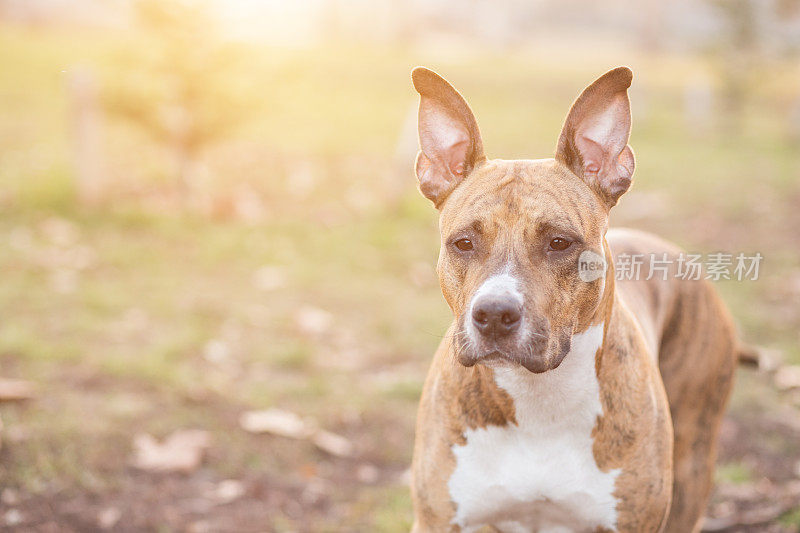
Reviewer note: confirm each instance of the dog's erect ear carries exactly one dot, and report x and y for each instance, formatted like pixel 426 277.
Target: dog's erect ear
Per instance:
pixel 449 139
pixel 594 140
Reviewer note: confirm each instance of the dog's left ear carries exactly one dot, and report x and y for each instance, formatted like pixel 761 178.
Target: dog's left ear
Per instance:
pixel 594 140
pixel 449 140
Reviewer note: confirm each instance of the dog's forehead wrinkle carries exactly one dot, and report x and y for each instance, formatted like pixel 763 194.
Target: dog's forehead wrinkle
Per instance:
pixel 565 211
pixel 511 201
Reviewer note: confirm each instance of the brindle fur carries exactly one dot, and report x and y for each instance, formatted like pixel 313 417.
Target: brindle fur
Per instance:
pixel 696 344
pixel 666 363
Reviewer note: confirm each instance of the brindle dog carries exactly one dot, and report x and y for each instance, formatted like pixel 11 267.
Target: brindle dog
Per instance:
pixel 557 401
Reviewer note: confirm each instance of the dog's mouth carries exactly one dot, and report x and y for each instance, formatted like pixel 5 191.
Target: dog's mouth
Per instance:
pixel 493 358
pixel 537 353
pixel 497 358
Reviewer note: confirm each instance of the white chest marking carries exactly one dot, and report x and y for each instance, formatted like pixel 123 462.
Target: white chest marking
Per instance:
pixel 539 475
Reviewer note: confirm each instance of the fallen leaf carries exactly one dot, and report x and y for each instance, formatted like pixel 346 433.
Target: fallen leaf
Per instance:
pixel 332 443
pixel 308 470
pixel 227 491
pixel 59 231
pixel 248 205
pixel 15 390
pixel 201 526
pixel 13 517
pixel 64 281
pixel 769 359
pixel 313 320
pixel 269 278
pixel 108 517
pixel 288 424
pixel 216 351
pixel 277 422
pixel 367 473
pixel 765 503
pixel 182 451
pixel 745 520
pixel 9 497
pixel 20 238
pixel 302 177
pixel 405 478
pixel 787 377
pixel 315 490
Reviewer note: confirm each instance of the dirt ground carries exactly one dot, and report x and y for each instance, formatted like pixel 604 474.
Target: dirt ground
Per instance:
pixel 756 495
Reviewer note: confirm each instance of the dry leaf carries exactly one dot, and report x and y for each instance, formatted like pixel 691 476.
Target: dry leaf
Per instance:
pixel 108 517
pixel 788 377
pixel 64 281
pixel 59 231
pixel 248 205
pixel 200 526
pixel 313 320
pixel 367 473
pixel 269 278
pixel 15 390
pixel 216 351
pixel 277 422
pixel 227 491
pixel 287 424
pixel 405 478
pixel 769 359
pixel 182 451
pixel 20 238
pixel 9 497
pixel 315 490
pixel 332 443
pixel 13 517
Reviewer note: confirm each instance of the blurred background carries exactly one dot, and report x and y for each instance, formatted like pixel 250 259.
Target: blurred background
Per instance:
pixel 218 299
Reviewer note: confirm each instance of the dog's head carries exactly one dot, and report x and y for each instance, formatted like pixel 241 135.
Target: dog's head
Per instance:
pixel 523 242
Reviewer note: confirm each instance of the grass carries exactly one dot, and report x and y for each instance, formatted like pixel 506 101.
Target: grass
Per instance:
pixel 791 519
pixel 122 345
pixel 734 473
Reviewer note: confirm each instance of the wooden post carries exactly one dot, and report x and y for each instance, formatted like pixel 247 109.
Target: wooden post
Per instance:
pixel 87 135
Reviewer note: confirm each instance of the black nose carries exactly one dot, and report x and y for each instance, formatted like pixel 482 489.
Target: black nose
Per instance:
pixel 496 317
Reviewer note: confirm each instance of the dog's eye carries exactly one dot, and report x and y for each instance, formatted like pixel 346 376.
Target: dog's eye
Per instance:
pixel 465 245
pixel 558 244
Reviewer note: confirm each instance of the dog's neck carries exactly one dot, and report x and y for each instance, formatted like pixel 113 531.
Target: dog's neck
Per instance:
pixel 568 394
pixel 605 309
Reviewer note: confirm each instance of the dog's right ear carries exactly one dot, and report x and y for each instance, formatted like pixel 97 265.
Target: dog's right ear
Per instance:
pixel 449 140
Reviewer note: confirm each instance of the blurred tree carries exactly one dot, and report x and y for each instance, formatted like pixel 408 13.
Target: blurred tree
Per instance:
pixel 179 83
pixel 737 57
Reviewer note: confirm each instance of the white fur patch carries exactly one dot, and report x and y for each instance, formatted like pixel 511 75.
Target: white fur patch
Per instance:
pixel 539 475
